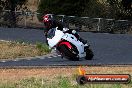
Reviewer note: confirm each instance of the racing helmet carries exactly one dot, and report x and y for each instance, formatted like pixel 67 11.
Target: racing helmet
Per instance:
pixel 47 19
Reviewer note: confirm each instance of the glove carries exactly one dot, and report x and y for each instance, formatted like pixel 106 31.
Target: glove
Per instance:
pixel 74 32
pixel 65 29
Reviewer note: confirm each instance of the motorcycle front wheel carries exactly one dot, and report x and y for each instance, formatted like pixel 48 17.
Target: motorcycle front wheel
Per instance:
pixel 68 53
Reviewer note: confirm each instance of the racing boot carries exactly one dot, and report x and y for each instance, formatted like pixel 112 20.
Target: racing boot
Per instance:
pixel 82 40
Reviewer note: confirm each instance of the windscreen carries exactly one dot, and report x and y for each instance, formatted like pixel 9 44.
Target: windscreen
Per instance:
pixel 51 33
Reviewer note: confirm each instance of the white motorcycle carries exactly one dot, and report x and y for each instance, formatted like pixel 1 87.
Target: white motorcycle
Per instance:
pixel 68 45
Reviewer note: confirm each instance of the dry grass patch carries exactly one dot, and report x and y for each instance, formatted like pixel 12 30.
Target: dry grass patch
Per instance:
pixel 11 50
pixel 57 77
pixel 50 73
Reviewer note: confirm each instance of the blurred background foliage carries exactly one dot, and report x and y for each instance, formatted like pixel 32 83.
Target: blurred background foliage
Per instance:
pixel 12 5
pixel 114 9
pixel 108 9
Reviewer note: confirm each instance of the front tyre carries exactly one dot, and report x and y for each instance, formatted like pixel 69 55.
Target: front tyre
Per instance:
pixel 68 53
pixel 89 54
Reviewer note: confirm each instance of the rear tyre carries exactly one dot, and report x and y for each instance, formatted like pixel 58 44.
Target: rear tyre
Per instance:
pixel 89 54
pixel 68 53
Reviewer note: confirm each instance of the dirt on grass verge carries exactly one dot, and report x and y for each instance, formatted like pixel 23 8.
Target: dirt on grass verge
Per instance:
pixel 12 50
pixel 51 73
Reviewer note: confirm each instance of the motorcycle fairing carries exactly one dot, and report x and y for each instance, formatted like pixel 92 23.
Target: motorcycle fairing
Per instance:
pixel 58 35
pixel 66 43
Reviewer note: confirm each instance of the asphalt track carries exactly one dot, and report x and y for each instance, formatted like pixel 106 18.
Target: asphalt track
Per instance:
pixel 109 49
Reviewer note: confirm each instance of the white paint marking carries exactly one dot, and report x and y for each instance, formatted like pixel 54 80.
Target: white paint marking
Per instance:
pixel 54 56
pixel 59 55
pixel 15 60
pixel 50 57
pixel 3 61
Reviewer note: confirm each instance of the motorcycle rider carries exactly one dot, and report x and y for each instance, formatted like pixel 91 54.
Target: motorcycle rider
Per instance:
pixel 51 23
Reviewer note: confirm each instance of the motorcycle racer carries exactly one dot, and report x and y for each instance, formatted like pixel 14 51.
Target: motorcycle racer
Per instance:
pixel 51 23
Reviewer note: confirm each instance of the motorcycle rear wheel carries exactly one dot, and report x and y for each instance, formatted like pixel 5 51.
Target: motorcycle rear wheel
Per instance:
pixel 66 52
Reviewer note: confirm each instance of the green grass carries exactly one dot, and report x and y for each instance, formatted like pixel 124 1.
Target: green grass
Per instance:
pixel 42 47
pixel 58 82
